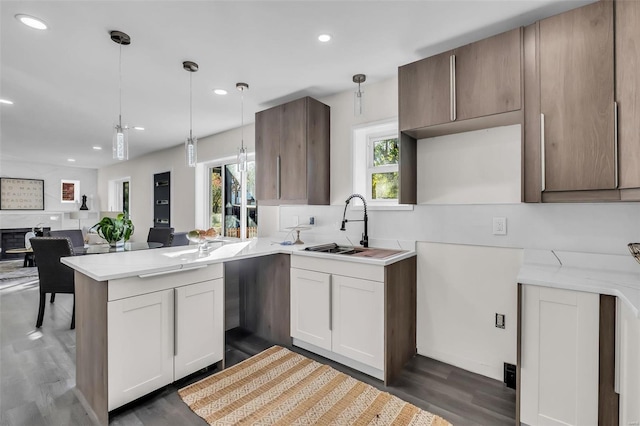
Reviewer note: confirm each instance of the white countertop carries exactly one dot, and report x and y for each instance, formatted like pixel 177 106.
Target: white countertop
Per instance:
pixel 614 275
pixel 109 266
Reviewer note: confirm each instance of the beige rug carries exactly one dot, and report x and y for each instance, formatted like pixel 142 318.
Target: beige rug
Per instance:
pixel 280 387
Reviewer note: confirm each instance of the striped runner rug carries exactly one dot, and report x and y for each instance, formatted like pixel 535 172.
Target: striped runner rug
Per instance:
pixel 280 387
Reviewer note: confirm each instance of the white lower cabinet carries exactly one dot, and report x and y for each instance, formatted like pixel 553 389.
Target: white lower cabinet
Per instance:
pixel 311 307
pixel 157 338
pixel 199 315
pixel 629 365
pixel 560 357
pixel 140 349
pixel 340 314
pixel 358 319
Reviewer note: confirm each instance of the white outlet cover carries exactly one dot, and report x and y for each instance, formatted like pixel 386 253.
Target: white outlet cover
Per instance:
pixel 499 226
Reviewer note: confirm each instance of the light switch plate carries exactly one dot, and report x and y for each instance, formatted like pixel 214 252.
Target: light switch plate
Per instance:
pixel 499 226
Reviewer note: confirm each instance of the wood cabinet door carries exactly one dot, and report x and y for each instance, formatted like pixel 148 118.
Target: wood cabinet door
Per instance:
pixel 140 349
pixel 293 151
pixel 424 92
pixel 559 357
pixel 488 76
pixel 311 307
pixel 198 307
pixel 268 133
pixel 576 98
pixel 358 319
pixel 628 91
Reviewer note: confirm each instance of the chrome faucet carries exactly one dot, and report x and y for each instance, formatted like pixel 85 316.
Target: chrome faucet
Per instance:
pixel 365 238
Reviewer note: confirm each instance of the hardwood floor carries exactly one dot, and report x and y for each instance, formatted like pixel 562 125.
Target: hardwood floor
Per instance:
pixel 37 376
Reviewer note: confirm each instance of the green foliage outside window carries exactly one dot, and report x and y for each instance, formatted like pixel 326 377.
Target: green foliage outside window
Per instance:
pixel 384 186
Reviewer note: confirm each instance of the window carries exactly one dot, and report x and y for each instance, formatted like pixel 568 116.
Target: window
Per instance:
pixel 225 200
pixel 376 155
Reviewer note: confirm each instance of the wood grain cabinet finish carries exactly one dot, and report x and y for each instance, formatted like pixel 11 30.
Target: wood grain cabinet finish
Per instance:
pixel 424 94
pixel 292 153
pixel 488 76
pixel 577 99
pixel 627 39
pixel 476 80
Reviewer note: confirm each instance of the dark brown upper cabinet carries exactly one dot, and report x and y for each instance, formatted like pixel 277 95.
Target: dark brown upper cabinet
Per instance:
pixel 577 104
pixel 477 80
pixel 581 105
pixel 628 96
pixel 292 153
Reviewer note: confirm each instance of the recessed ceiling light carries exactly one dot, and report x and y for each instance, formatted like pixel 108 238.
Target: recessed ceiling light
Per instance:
pixel 71 160
pixel 6 101
pixel 97 148
pixel 138 128
pixel 32 22
pixel 324 38
pixel 220 91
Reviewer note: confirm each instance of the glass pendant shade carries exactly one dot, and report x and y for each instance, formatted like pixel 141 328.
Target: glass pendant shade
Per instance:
pixel 191 151
pixel 358 105
pixel 242 159
pixel 120 143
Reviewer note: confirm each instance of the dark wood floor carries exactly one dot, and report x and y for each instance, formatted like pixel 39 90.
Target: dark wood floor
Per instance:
pixel 37 376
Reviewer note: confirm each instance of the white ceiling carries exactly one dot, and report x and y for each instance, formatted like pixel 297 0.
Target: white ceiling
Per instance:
pixel 64 81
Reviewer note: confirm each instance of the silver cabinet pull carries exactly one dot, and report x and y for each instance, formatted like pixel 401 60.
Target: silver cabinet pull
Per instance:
pixel 615 146
pixel 543 179
pixel 452 87
pixel 330 302
pixel 278 177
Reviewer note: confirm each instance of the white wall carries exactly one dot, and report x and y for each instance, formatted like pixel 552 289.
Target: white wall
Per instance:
pixel 56 213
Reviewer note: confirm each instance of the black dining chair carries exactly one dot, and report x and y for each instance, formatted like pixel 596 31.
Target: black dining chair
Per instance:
pixel 160 235
pixel 179 239
pixel 75 235
pixel 54 276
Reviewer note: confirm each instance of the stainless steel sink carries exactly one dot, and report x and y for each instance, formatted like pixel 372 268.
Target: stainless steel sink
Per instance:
pixel 335 249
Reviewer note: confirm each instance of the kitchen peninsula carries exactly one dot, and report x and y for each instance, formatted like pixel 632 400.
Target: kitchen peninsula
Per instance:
pixel 146 319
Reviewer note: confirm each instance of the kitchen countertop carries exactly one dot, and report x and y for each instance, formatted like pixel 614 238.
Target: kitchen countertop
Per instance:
pixel 614 275
pixel 110 266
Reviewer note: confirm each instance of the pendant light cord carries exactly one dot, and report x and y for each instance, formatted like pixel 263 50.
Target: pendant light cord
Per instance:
pixel 120 86
pixel 190 106
pixel 242 119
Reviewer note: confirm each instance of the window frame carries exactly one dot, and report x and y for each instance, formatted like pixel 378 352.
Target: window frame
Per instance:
pixel 362 140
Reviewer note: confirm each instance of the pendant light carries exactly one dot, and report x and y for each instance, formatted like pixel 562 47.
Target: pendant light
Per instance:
pixel 191 144
pixel 357 99
pixel 120 134
pixel 242 155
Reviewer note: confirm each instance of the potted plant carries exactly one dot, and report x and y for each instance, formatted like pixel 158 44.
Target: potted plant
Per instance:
pixel 115 230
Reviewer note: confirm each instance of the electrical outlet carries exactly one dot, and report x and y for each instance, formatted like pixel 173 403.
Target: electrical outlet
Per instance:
pixel 499 226
pixel 312 221
pixel 500 320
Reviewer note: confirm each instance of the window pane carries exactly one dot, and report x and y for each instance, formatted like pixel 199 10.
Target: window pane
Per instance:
pixel 215 201
pixel 232 201
pixel 384 186
pixel 385 151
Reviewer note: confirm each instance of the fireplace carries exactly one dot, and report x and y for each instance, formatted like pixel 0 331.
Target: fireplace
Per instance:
pixel 14 238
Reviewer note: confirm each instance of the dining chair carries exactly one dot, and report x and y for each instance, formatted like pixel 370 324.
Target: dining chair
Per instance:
pixel 179 239
pixel 160 235
pixel 75 235
pixel 54 276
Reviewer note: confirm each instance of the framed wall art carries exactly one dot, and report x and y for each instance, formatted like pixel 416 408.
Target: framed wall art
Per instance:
pixel 69 191
pixel 21 194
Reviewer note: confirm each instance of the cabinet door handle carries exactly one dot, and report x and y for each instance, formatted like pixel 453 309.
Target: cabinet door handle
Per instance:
pixel 543 178
pixel 175 322
pixel 615 145
pixel 330 302
pixel 278 177
pixel 452 87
